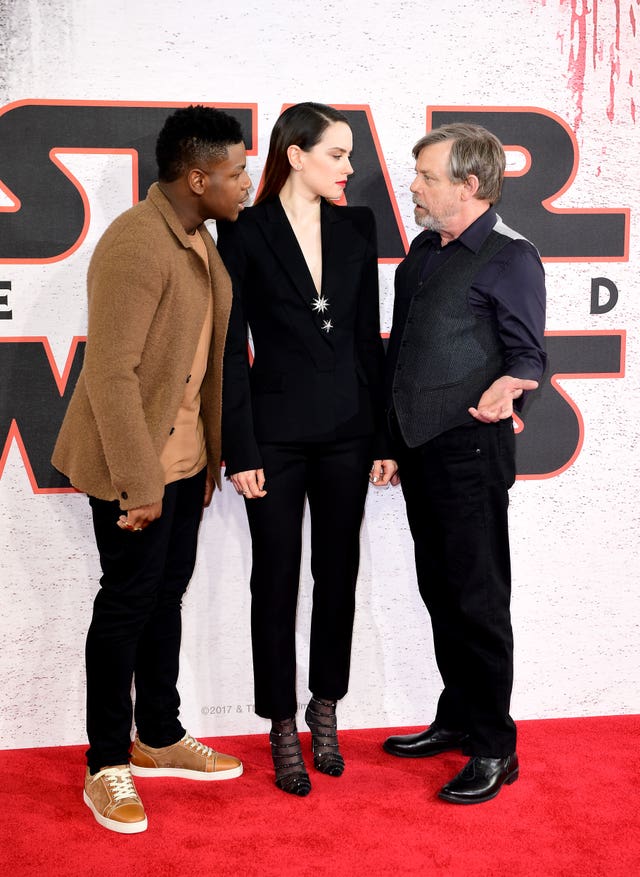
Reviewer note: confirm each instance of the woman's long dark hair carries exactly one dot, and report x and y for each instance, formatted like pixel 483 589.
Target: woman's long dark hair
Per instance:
pixel 300 125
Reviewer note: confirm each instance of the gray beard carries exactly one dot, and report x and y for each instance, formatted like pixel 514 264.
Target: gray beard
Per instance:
pixel 428 222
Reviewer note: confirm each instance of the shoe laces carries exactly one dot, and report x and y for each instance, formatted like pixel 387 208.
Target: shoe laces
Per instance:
pixel 197 746
pixel 120 782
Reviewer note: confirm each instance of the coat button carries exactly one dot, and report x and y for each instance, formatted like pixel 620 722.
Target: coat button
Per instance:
pixel 124 494
pixel 188 378
pixel 172 430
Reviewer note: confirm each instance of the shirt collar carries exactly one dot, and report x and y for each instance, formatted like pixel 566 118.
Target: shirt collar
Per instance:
pixel 476 234
pixel 473 236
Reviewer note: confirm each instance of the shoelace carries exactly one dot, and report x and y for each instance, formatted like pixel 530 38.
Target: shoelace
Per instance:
pixel 120 782
pixel 197 746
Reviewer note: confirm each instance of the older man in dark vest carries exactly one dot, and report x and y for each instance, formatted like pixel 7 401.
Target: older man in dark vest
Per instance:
pixel 465 346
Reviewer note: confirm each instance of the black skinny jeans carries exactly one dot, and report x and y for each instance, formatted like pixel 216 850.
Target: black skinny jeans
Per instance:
pixel 136 626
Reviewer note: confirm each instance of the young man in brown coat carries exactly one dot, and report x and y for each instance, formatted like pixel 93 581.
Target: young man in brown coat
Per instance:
pixel 142 438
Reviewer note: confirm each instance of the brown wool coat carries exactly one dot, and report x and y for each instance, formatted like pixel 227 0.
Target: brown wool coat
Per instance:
pixel 148 291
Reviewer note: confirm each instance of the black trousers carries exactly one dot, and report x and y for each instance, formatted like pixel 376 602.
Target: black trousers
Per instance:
pixel 334 477
pixel 136 626
pixel 456 491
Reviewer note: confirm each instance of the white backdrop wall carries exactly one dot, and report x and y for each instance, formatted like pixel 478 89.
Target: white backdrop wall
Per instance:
pixel 574 535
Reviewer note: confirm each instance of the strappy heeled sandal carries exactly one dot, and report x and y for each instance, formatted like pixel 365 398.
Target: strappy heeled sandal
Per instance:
pixel 291 774
pixel 321 719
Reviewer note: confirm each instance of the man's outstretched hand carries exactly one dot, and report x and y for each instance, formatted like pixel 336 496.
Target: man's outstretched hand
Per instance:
pixel 496 403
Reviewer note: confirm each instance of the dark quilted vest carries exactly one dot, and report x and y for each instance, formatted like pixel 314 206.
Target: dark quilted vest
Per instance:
pixel 448 356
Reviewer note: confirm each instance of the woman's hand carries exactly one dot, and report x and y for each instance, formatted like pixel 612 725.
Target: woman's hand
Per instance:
pixel 250 483
pixel 382 472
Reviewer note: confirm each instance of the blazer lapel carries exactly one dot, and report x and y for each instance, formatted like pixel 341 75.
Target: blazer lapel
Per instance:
pixel 285 246
pixel 282 240
pixel 337 250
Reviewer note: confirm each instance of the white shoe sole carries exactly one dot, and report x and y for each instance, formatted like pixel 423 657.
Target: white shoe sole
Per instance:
pixel 184 774
pixel 113 824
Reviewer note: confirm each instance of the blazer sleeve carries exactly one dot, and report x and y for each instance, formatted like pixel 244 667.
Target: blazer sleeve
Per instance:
pixel 369 346
pixel 240 450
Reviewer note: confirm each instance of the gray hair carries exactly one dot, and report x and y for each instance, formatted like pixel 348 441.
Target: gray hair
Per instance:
pixel 474 150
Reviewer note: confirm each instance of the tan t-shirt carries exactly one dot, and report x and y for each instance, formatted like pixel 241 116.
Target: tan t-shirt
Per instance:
pixel 185 452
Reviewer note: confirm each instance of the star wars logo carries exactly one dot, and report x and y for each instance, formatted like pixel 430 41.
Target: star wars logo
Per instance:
pixel 48 215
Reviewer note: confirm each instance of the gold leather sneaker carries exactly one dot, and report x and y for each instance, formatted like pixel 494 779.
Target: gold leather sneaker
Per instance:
pixel 187 759
pixel 111 796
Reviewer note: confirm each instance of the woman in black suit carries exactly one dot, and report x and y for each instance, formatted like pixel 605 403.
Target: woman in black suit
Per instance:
pixel 306 420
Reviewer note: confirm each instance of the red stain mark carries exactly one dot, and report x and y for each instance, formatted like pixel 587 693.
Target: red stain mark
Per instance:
pixel 614 61
pixel 594 29
pixel 577 58
pixel 632 22
pixel 614 76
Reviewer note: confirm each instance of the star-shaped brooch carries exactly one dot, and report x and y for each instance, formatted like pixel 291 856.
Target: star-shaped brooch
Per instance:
pixel 327 325
pixel 320 304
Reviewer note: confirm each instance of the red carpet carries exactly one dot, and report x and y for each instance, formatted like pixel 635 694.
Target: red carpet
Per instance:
pixel 574 812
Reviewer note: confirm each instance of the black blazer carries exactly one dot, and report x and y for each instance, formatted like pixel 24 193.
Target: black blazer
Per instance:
pixel 317 371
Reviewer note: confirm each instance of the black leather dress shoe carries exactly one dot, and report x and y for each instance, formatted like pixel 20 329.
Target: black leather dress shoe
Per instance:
pixel 481 779
pixel 433 741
